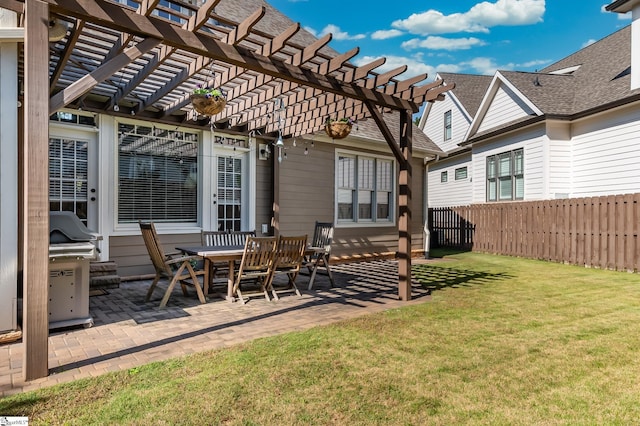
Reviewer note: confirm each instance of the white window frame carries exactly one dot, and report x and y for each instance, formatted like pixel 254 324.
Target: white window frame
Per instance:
pixel 209 149
pixel 355 222
pixel 444 176
pixel 495 175
pixel 459 171
pixel 448 126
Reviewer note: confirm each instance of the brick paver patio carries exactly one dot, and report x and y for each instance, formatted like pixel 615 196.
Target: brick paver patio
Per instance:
pixel 129 332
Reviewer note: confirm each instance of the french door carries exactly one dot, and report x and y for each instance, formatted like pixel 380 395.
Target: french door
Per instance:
pixel 73 174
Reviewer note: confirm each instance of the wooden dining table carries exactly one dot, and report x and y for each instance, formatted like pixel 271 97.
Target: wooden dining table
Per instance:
pixel 233 254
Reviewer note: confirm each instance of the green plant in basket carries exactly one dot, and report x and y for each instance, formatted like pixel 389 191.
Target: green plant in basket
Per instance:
pixel 208 92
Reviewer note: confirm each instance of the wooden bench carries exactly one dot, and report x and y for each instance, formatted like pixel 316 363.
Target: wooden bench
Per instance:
pixel 223 238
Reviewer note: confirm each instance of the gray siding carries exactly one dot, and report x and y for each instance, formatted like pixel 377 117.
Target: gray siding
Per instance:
pixel 130 253
pixel 307 188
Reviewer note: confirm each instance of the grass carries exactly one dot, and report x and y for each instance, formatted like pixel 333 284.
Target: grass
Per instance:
pixel 503 341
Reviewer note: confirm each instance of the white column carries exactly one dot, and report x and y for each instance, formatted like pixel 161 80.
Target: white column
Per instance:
pixel 8 176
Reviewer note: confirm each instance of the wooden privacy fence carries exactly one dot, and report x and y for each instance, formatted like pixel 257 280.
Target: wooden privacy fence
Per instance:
pixel 595 231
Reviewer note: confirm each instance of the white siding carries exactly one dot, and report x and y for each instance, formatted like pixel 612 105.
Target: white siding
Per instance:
pixel 606 150
pixel 532 140
pixel 505 107
pixel 559 159
pixel 453 192
pixel 434 125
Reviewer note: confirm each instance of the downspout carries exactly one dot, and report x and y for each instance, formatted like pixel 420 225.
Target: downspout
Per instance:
pixel 425 205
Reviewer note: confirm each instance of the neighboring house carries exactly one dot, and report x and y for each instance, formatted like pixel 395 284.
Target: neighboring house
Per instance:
pixel 570 130
pixel 446 123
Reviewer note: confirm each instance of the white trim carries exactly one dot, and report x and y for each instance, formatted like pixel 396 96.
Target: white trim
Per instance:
pixel 568 70
pixel 11 35
pixel 498 79
pixel 9 172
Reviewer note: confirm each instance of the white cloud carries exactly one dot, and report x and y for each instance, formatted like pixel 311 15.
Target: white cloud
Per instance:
pixel 385 34
pixel 478 19
pixel 535 63
pixel 312 31
pixel 588 43
pixel 339 34
pixel 415 65
pixel 487 66
pixel 442 43
pixel 484 66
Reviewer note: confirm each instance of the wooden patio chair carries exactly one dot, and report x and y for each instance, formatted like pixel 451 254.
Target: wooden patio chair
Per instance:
pixel 175 267
pixel 322 238
pixel 255 264
pixel 223 238
pixel 287 261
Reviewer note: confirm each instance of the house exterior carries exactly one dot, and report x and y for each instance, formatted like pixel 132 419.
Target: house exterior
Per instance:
pixel 449 177
pixel 120 152
pixel 567 131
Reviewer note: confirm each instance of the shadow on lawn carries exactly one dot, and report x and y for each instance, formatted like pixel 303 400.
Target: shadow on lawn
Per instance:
pixel 434 278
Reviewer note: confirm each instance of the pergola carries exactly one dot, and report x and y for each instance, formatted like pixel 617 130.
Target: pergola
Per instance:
pixel 145 57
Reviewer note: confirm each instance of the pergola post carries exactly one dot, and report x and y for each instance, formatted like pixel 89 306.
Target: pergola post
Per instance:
pixel 404 208
pixel 35 182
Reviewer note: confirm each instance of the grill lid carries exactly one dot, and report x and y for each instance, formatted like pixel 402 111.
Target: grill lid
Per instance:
pixel 66 227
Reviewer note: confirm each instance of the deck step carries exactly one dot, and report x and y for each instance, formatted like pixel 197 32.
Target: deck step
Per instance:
pixel 103 275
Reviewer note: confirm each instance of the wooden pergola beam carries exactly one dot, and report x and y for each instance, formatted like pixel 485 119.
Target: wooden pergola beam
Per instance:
pixel 195 22
pixel 403 153
pixel 86 83
pixel 271 47
pixel 66 54
pixel 35 209
pixel 113 16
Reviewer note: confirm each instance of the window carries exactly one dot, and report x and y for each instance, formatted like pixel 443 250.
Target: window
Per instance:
pixel 443 176
pixel 157 175
pixel 505 176
pixel 447 125
pixel 365 190
pixel 68 117
pixel 68 166
pixel 461 173
pixel 229 193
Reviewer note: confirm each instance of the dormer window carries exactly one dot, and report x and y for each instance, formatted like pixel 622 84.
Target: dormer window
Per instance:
pixel 447 125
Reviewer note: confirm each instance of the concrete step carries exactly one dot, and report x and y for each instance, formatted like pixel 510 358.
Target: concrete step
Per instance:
pixel 104 281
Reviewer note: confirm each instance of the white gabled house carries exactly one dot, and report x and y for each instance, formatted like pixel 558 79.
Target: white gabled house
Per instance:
pixel 570 130
pixel 446 123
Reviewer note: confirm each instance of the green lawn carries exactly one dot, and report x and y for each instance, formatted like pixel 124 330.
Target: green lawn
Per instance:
pixel 503 341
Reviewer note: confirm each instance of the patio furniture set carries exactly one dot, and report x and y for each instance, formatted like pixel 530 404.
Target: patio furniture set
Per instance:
pixel 243 258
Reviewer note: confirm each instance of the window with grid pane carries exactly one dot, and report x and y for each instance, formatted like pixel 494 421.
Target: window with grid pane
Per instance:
pixel 346 186
pixel 384 189
pixel 68 161
pixel 157 175
pixel 447 125
pixel 365 189
pixel 461 173
pixel 229 193
pixel 505 176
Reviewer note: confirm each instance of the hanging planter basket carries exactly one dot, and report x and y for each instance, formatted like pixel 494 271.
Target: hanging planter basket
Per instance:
pixel 338 129
pixel 207 104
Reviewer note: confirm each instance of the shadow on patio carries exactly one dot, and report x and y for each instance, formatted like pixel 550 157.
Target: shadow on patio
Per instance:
pixel 129 332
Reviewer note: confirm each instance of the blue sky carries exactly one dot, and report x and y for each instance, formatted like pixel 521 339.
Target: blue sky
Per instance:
pixel 475 37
